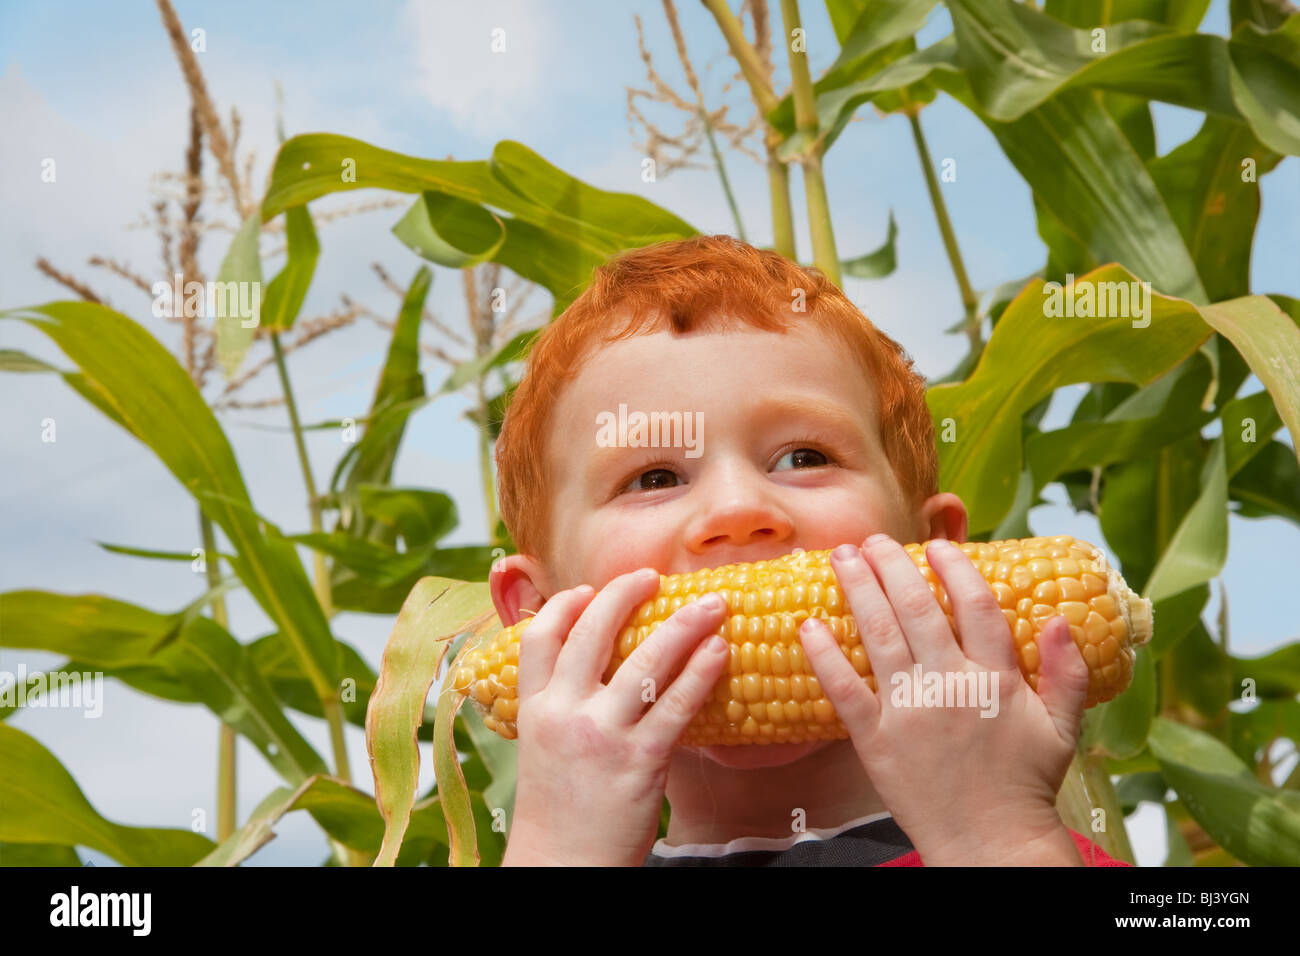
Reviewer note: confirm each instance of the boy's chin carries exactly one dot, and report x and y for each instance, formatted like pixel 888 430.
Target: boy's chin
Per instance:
pixel 754 756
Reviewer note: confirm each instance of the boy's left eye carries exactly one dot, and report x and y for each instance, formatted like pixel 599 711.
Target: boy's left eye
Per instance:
pixel 652 480
pixel 801 458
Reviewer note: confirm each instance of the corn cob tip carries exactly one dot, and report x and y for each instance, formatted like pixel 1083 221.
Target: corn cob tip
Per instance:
pixel 1135 609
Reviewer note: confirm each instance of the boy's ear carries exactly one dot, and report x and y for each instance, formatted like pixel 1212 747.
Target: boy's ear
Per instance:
pixel 519 587
pixel 944 516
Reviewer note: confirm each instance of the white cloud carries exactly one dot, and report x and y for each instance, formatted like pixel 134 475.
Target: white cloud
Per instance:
pixel 482 91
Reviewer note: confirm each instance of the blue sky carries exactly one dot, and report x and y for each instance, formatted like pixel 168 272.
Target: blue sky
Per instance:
pixel 96 86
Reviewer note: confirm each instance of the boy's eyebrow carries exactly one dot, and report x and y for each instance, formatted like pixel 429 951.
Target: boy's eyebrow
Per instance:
pixel 836 415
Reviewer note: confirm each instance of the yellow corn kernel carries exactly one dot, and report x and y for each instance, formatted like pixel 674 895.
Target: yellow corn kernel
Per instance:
pixel 769 693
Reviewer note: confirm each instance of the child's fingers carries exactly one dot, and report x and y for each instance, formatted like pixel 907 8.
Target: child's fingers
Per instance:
pixel 985 637
pixel 674 709
pixel 878 629
pixel 542 639
pixel 923 622
pixel 852 699
pixel 1062 678
pixel 650 666
pixel 590 643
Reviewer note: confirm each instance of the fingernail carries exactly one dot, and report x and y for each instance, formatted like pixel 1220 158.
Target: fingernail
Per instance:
pixel 943 544
pixel 807 626
pixel 712 602
pixel 844 552
pixel 717 644
pixel 877 538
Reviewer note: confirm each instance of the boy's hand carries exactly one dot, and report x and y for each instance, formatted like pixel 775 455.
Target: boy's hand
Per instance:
pixel 964 788
pixel 593 759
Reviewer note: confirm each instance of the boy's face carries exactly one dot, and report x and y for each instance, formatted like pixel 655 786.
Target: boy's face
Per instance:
pixel 785 453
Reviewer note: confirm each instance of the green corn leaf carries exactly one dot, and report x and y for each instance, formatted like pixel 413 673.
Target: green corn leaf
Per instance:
pixel 1180 853
pixel 1269 485
pixel 909 74
pixel 40 803
pixel 1162 487
pixel 450 231
pixel 594 211
pixel 516 181
pixel 882 33
pixel 500 757
pixel 156 555
pixel 1213 202
pixel 556 228
pixel 400 383
pixel 1183 15
pixel 1027 358
pixel 242 267
pixel 878 25
pixel 434 613
pixel 1248 424
pixel 1178 616
pixel 347 814
pixel 1199 675
pixel 1265 14
pixel 1164 411
pixel 286 292
pixel 1256 824
pixel 38 854
pixel 843 14
pixel 151 678
pixel 1198 549
pixel 1017 58
pixel 1119 728
pixel 1084 172
pixel 158 400
pixel 1269 340
pixel 557 263
pixel 276 662
pixel 516 350
pixel 11 360
pixel 103 633
pixel 453 790
pixel 876 264
pixel 1251 731
pixel 420 516
pixel 1138 788
pixel 1276 674
pixel 470 563
pixel 377 563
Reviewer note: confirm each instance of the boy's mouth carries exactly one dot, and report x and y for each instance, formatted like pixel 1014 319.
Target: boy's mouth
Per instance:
pixel 755 756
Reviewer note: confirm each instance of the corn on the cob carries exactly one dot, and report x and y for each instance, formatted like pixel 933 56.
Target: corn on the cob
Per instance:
pixel 771 695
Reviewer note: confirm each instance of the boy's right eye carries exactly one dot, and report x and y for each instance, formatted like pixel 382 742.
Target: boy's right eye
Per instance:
pixel 651 480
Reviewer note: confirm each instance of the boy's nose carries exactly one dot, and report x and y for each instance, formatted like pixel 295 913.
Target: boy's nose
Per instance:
pixel 735 522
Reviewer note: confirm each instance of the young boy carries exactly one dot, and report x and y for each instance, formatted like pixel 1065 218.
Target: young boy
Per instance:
pixel 811 431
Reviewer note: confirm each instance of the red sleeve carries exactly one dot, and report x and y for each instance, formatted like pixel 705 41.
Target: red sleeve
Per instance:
pixel 910 858
pixel 1092 854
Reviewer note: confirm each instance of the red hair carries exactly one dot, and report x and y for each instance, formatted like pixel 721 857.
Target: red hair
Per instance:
pixel 705 282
